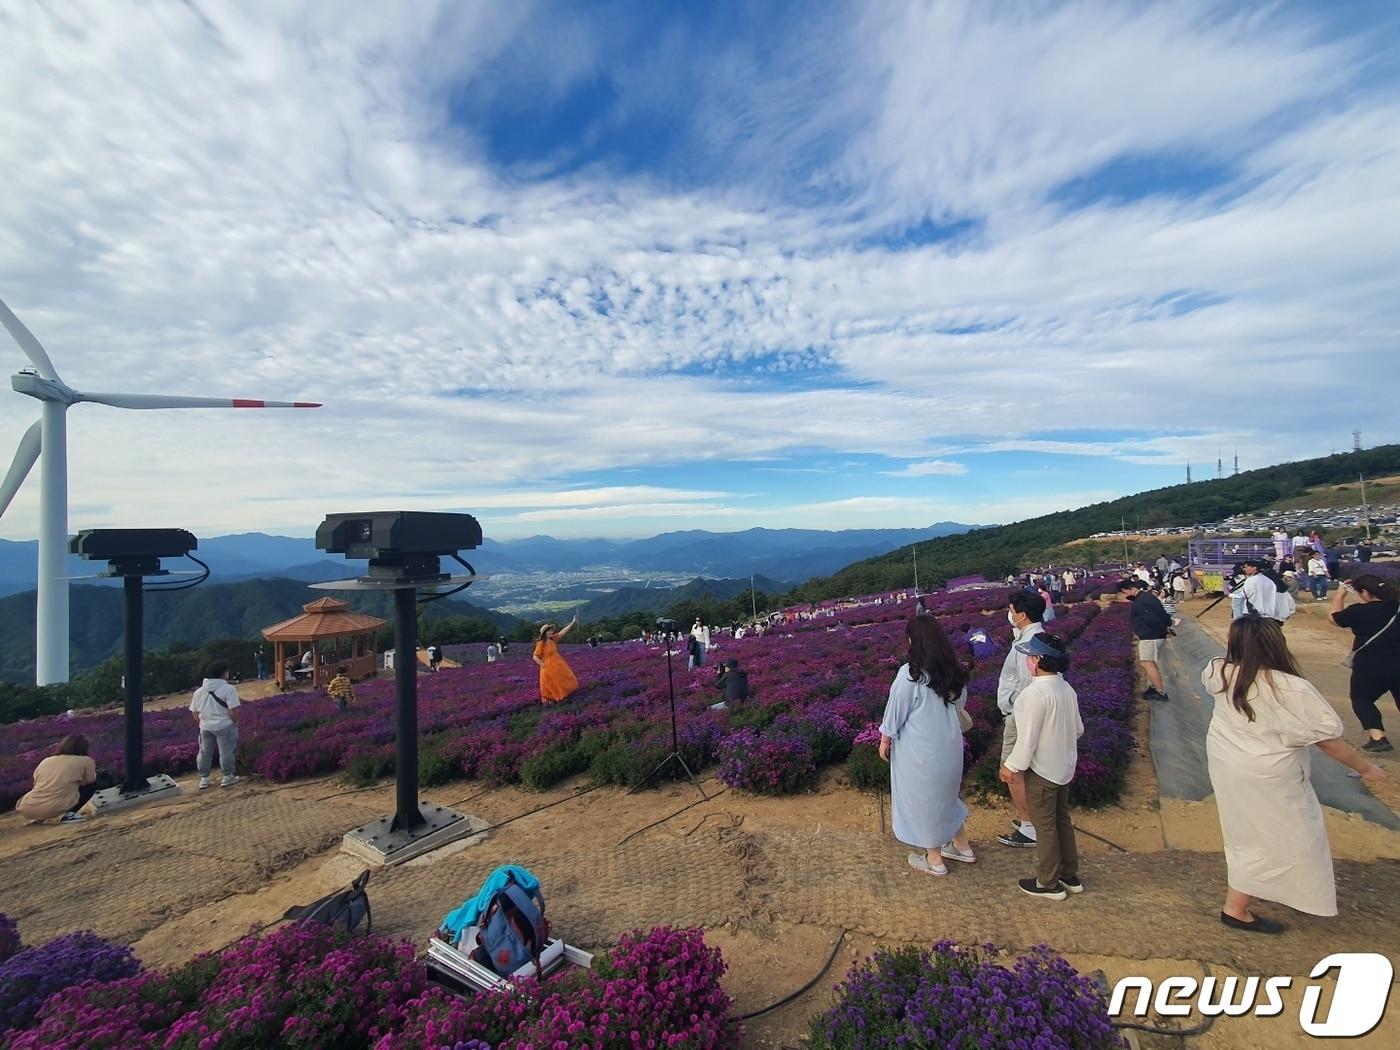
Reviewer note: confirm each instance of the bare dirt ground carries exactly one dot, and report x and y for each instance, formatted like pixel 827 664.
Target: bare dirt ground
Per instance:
pixel 774 882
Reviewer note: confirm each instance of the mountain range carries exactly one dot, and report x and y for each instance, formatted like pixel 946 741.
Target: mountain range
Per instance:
pixel 191 617
pixel 790 555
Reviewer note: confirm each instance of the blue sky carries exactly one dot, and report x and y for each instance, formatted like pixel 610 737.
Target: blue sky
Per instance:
pixel 617 268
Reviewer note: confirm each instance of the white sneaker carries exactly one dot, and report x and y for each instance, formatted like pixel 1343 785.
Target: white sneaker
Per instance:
pixel 953 853
pixel 230 781
pixel 919 862
pixel 203 783
pixel 71 818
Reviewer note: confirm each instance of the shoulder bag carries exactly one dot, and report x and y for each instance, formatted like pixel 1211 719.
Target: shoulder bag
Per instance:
pixel 1350 658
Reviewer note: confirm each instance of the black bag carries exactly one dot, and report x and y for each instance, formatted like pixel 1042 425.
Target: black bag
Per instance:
pixel 348 907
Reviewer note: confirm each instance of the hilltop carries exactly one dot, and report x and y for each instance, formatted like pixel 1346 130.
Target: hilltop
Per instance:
pixel 994 552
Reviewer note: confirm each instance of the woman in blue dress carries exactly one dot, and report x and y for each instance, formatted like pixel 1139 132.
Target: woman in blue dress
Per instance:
pixel 921 738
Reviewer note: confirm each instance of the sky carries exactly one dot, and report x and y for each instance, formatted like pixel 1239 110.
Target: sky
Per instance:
pixel 611 269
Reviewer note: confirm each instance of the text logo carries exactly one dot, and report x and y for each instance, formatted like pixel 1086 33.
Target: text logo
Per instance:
pixel 1358 1002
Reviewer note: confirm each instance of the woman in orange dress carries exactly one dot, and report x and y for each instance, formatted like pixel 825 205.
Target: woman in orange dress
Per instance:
pixel 556 680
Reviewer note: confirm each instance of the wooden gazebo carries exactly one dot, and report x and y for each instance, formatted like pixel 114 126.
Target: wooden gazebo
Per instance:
pixel 333 635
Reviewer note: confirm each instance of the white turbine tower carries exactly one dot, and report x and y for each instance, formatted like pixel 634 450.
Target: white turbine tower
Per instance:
pixel 50 436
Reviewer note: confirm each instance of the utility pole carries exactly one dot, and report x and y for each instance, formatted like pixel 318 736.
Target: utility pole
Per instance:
pixel 1123 524
pixel 1237 460
pixel 1365 509
pixel 753 598
pixel 1219 466
pixel 916 570
pixel 1188 472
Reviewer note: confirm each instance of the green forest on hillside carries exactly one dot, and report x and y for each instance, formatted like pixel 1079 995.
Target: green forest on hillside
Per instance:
pixel 994 552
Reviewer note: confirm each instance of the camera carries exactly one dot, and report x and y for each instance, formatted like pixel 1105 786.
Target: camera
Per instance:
pixel 401 545
pixel 665 623
pixel 132 552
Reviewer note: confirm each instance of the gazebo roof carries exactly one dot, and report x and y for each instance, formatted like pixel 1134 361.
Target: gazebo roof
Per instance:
pixel 323 618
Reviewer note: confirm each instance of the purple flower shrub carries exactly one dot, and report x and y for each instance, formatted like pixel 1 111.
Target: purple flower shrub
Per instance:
pixel 959 997
pixel 311 987
pixel 824 677
pixel 9 937
pixel 31 975
pixel 656 989
pixel 773 762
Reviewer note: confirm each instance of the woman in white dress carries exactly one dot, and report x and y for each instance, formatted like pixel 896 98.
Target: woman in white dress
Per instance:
pixel 921 738
pixel 1266 718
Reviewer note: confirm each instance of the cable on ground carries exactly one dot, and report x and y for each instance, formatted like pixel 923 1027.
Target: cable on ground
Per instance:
pixel 831 958
pixel 677 813
pixel 1105 841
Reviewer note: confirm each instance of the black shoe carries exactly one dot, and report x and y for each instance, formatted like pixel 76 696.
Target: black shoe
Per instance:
pixel 1035 889
pixel 1017 839
pixel 1377 746
pixel 1072 883
pixel 1259 925
pixel 1153 694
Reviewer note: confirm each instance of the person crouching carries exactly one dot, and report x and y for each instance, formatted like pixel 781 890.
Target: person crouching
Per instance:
pixel 63 784
pixel 1048 728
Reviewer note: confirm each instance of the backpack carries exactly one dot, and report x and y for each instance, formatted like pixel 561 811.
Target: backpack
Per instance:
pixel 512 930
pixel 348 907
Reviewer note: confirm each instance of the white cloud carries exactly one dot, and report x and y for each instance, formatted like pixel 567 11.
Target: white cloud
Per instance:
pixel 929 468
pixel 269 201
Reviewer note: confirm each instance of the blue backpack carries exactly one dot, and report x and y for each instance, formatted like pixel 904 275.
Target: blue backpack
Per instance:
pixel 512 929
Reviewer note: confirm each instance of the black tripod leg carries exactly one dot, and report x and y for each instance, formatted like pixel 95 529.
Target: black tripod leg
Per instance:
pixel 695 783
pixel 643 782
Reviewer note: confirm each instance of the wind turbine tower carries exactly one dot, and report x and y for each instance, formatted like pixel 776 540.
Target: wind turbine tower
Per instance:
pixel 49 436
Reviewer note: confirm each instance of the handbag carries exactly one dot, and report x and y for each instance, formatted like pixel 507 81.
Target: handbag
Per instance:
pixel 1349 659
pixel 964 720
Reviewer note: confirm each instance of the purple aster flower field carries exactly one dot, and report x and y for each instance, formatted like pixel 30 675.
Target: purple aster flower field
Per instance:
pixel 817 682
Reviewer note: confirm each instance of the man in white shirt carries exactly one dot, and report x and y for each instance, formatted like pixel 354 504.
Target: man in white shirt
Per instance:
pixel 215 707
pixel 1260 594
pixel 1024 610
pixel 1043 761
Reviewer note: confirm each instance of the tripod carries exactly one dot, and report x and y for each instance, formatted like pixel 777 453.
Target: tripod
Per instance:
pixel 675 755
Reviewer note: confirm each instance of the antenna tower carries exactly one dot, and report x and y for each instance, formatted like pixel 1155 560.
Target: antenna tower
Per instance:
pixel 1188 472
pixel 1219 466
pixel 1237 461
pixel 1356 441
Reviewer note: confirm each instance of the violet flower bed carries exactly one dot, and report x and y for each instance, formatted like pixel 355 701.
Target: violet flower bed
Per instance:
pixel 308 988
pixel 957 997
pixel 814 684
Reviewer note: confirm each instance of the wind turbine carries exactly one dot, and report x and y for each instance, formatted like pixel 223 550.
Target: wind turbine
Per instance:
pixel 50 436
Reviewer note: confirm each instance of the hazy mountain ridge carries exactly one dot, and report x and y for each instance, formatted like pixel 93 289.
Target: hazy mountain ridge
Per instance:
pixel 195 616
pixel 784 554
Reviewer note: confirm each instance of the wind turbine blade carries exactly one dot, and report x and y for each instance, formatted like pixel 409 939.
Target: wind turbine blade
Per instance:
pixel 164 401
pixel 25 338
pixel 24 460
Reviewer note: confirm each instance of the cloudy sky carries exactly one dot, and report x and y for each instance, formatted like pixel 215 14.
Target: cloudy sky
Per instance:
pixel 613 269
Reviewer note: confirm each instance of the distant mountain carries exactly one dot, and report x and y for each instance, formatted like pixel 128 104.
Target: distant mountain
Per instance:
pixel 783 554
pixel 195 616
pixel 626 600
